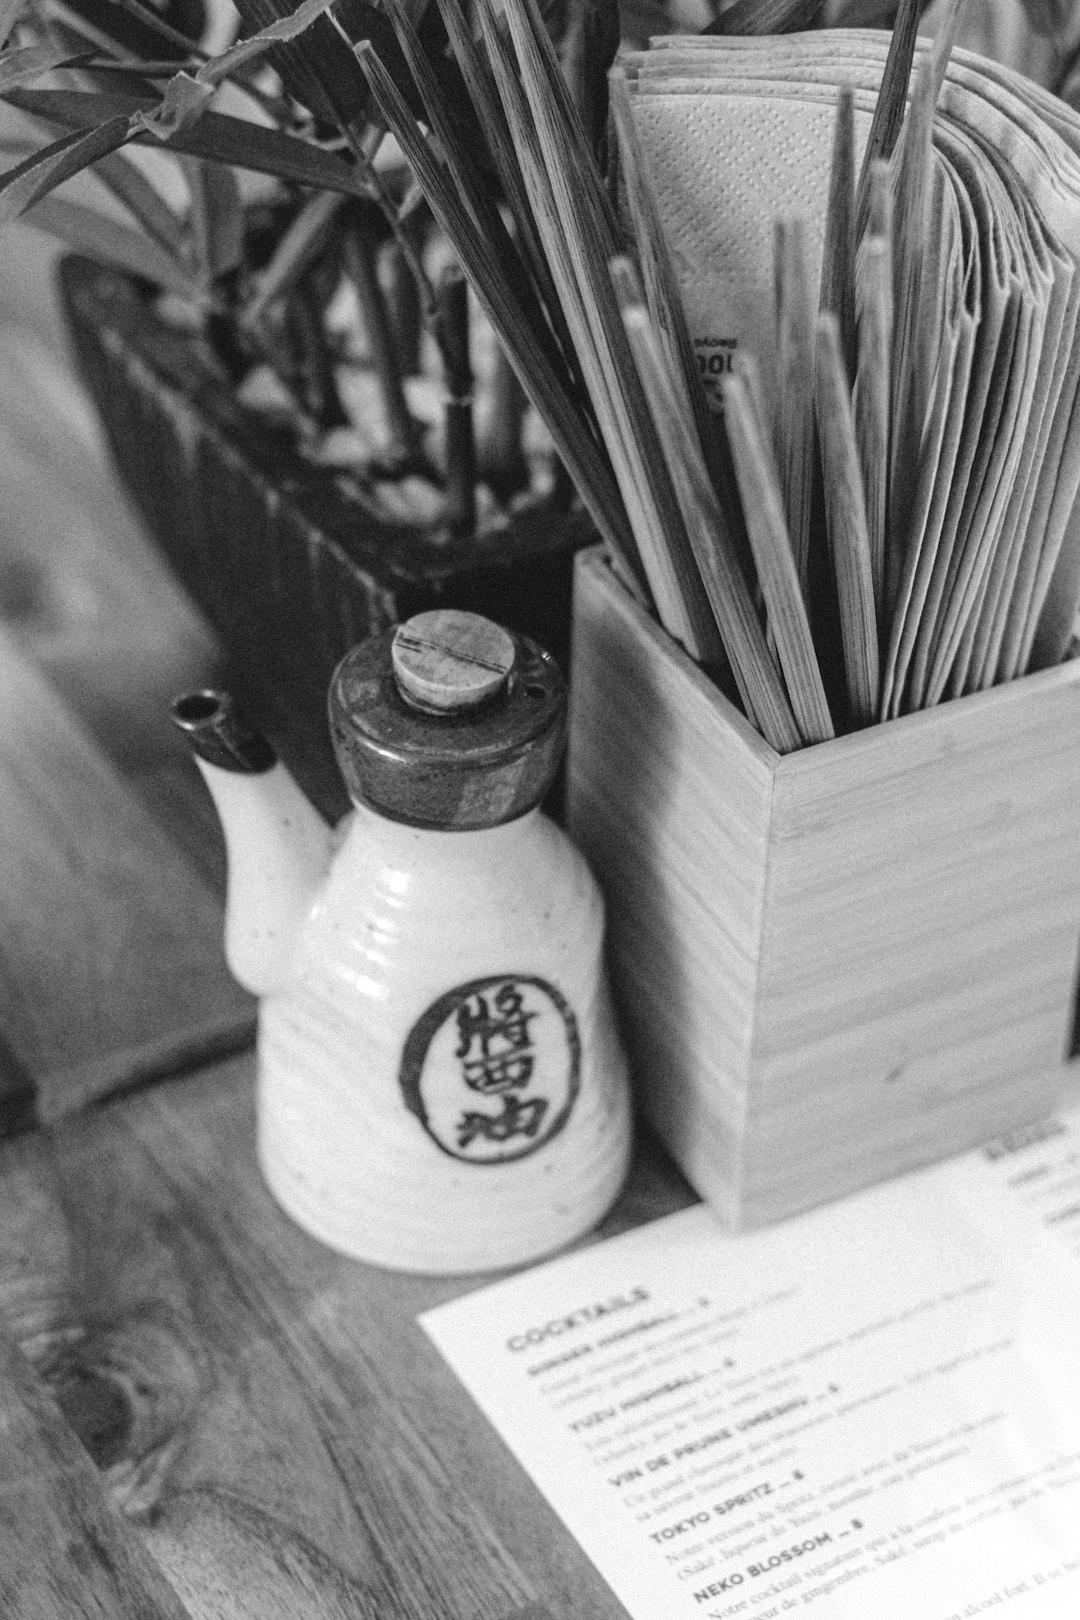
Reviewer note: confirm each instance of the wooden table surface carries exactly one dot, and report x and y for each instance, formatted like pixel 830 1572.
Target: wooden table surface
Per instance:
pixel 203 1412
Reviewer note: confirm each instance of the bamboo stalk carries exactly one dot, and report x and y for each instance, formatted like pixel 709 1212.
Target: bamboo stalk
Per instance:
pixel 846 515
pixel 538 377
pixel 302 242
pixel 502 459
pixel 403 306
pixel 317 379
pixel 460 443
pixel 358 254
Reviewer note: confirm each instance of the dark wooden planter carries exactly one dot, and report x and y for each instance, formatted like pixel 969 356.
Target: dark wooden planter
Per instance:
pixel 287 561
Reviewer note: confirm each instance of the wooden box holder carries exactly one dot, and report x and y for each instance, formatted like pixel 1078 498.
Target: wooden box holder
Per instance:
pixel 836 964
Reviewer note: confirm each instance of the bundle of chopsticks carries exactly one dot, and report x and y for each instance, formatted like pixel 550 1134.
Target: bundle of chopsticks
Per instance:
pixel 769 538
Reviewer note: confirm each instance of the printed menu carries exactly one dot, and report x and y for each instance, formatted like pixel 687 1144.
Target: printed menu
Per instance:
pixel 873 1408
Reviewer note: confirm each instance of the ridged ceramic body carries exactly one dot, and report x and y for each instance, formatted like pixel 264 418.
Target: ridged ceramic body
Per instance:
pixel 441 1085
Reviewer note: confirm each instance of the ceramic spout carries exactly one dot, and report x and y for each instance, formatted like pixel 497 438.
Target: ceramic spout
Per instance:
pixel 277 845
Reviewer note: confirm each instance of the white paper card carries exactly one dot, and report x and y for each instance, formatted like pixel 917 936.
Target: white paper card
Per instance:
pixel 873 1409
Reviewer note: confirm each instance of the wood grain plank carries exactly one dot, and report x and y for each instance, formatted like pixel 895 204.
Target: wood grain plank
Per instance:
pixel 267 1414
pixel 682 866
pixel 65 1554
pixel 111 963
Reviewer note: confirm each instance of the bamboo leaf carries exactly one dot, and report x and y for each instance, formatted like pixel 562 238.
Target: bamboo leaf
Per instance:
pixel 317 67
pixel 186 97
pixel 111 242
pixel 146 69
pixel 470 183
pixel 481 90
pixel 581 334
pixel 79 109
pixel 218 136
pixel 283 29
pixel 217 216
pixel 183 101
pixel 543 385
pixel 305 237
pixel 361 20
pixel 225 139
pixel 22 186
pixel 158 32
pixel 127 182
pixel 149 28
pixel 25 65
pixel 581 235
pixel 9 11
pixel 103 71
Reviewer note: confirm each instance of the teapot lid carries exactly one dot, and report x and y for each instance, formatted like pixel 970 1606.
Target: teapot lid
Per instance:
pixel 448 721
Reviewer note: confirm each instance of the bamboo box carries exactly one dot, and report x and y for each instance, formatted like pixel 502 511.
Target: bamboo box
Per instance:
pixel 837 964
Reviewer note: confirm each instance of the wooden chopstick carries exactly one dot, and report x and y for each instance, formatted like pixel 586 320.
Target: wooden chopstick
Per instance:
pixel 756 675
pixel 890 104
pixel 480 85
pixel 794 431
pixel 580 235
pixel 763 505
pixel 665 305
pixel 838 261
pixel 846 516
pixel 873 391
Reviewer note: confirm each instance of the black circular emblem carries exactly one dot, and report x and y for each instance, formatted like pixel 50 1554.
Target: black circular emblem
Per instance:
pixel 492 1069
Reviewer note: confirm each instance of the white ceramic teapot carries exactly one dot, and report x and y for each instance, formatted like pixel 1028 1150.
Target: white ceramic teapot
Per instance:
pixel 441 1085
